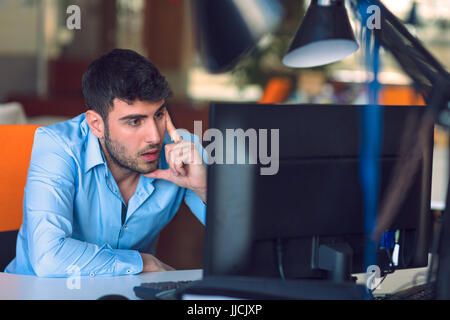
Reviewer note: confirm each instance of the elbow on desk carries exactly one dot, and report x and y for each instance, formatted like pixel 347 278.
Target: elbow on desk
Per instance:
pixel 47 264
pixel 44 272
pixel 42 268
pixel 45 268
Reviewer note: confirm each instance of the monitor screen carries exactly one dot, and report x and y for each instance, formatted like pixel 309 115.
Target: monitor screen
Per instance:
pixel 284 195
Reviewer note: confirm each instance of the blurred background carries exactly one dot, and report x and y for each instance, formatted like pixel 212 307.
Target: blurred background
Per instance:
pixel 42 61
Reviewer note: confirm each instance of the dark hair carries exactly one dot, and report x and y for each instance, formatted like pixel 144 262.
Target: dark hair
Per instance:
pixel 125 75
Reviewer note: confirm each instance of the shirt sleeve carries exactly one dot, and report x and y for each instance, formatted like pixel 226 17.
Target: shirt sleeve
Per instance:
pixel 48 218
pixel 197 206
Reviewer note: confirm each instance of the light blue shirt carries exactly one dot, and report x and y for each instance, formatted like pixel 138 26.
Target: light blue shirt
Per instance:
pixel 72 208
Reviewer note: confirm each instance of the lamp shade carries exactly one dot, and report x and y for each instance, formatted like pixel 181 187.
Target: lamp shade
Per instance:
pixel 324 36
pixel 228 29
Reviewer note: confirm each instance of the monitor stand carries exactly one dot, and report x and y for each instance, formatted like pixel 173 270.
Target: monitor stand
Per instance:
pixel 333 257
pixel 337 260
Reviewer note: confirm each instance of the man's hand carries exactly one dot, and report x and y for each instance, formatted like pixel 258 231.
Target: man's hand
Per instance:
pixel 186 168
pixel 152 264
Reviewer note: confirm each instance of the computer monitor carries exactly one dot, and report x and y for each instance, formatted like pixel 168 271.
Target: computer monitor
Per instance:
pixel 303 218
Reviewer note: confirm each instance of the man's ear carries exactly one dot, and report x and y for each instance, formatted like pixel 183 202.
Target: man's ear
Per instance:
pixel 96 123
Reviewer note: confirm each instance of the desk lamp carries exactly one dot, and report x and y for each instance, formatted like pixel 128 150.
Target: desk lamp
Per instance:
pixel 227 30
pixel 324 36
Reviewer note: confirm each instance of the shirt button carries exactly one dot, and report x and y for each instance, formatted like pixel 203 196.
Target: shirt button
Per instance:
pixel 128 271
pixel 91 274
pixel 125 227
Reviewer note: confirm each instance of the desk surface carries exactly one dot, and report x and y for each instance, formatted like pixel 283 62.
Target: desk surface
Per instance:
pixel 20 287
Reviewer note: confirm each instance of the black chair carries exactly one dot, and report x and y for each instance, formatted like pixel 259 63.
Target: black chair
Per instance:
pixel 7 247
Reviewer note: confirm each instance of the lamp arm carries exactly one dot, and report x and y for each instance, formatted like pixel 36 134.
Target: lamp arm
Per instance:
pixel 427 73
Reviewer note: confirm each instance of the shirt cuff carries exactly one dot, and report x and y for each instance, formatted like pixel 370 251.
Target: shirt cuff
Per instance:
pixel 197 206
pixel 128 262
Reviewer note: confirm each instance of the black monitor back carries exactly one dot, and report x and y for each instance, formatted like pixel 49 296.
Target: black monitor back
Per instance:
pixel 314 196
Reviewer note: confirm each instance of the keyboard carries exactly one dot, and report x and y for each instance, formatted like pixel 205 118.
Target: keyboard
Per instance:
pixel 160 290
pixel 250 288
pixel 421 292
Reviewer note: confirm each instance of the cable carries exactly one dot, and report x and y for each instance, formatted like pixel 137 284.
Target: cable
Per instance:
pixel 391 262
pixel 381 281
pixel 279 249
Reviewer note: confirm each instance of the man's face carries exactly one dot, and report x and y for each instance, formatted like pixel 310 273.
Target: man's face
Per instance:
pixel 134 134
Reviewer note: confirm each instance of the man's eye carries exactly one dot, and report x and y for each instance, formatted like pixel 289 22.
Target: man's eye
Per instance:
pixel 159 115
pixel 134 122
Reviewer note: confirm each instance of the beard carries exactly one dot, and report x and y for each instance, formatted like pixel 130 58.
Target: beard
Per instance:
pixel 119 155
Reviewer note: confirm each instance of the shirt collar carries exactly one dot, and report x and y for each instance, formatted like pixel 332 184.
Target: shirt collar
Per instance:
pixel 94 154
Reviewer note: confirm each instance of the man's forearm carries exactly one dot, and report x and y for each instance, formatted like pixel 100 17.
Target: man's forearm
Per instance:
pixel 72 255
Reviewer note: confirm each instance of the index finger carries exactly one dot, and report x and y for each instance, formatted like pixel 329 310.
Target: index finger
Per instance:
pixel 171 130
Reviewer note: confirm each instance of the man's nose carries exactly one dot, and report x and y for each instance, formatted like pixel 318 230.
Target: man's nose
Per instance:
pixel 152 134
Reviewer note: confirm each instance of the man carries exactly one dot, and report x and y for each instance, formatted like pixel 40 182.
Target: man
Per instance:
pixel 101 186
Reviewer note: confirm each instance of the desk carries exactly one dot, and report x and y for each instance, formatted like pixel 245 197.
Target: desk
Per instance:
pixel 20 287
pixel 397 281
